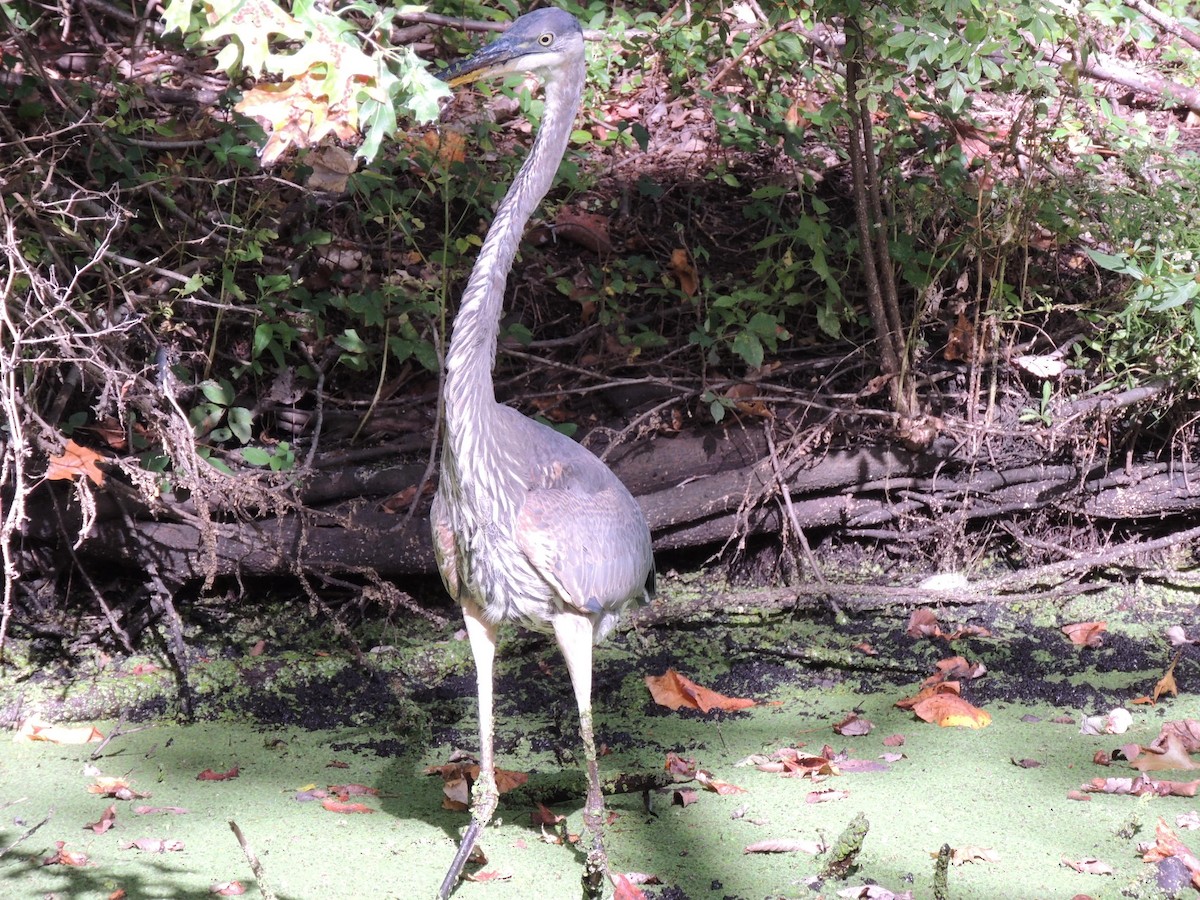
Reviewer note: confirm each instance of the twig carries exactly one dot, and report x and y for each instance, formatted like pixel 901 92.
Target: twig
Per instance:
pixel 117 732
pixel 1169 24
pixel 28 833
pixel 255 866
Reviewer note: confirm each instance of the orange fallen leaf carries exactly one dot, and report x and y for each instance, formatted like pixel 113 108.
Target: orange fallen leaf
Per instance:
pixel 336 806
pixel 75 462
pixel 951 711
pixel 681 267
pixel 35 730
pixel 1167 843
pixel 674 691
pixel 210 775
pixel 1086 634
pixel 228 889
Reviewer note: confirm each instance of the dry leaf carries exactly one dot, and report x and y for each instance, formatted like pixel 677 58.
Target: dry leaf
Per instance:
pixel 853 726
pixel 64 857
pixel 681 267
pixel 35 730
pixel 106 821
pixel 1089 866
pixel 153 845
pixel 227 889
pixel 625 889
pixel 586 229
pixel 210 775
pixel 826 796
pixel 337 806
pixel 76 462
pixel 951 711
pixel 1086 634
pixel 118 788
pixel 960 344
pixel 674 691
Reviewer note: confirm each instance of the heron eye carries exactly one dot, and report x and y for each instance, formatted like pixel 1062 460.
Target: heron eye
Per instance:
pixel 546 39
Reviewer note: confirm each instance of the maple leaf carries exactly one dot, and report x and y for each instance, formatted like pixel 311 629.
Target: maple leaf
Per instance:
pixel 75 461
pixel 250 25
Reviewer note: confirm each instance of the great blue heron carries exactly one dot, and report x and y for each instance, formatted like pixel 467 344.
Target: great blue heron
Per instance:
pixel 528 526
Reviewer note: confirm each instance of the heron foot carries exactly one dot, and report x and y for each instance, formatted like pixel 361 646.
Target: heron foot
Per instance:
pixel 486 799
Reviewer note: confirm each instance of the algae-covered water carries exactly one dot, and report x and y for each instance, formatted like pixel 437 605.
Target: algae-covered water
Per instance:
pixel 309 716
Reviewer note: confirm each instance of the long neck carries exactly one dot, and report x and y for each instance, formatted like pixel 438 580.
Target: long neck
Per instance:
pixel 469 391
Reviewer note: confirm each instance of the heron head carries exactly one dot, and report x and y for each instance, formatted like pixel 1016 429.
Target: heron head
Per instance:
pixel 539 41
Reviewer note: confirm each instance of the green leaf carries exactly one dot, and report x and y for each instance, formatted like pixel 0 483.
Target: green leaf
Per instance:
pixel 240 421
pixel 749 347
pixel 349 341
pixel 217 392
pixel 256 456
pixel 177 16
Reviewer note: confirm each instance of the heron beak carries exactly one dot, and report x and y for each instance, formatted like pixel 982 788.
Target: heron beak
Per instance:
pixel 494 57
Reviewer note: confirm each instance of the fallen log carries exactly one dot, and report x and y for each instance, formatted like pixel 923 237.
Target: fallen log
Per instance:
pixel 696 491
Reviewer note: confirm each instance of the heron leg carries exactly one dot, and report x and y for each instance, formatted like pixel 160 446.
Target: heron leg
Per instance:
pixel 482 635
pixel 575 635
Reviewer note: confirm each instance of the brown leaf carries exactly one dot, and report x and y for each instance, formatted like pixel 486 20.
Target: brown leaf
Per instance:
pixel 228 889
pixel 543 815
pixel 153 845
pixel 684 797
pixel 107 786
pixel 76 462
pixel 64 857
pixel 960 344
pixel 106 821
pixel 826 795
pixel 681 267
pixel 922 622
pixel 674 691
pixel 716 785
pixel 210 775
pixel 853 726
pixel 1165 754
pixel 589 230
pixel 894 740
pixel 963 855
pixel 1089 866
pixel 1086 634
